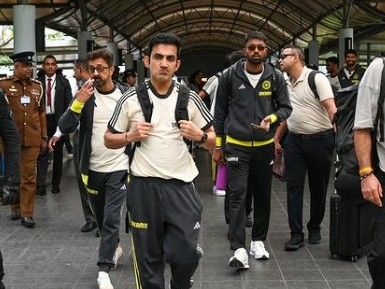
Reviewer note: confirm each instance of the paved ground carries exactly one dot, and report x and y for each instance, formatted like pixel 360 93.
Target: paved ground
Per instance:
pixel 55 255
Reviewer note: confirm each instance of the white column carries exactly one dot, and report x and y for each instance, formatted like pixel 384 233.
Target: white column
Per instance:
pixel 113 47
pixel 345 41
pixel 24 28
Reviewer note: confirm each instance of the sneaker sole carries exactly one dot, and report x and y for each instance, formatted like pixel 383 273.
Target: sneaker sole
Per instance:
pixel 235 263
pixel 263 257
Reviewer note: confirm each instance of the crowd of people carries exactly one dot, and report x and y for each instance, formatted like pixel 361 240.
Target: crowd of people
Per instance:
pixel 129 144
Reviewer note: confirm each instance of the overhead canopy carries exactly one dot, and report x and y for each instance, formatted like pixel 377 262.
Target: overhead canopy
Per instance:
pixel 216 25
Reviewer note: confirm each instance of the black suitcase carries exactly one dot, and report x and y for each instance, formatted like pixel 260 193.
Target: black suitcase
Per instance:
pixel 350 227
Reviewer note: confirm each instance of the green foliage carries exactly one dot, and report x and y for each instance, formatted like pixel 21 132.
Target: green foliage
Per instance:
pixel 5 60
pixel 54 35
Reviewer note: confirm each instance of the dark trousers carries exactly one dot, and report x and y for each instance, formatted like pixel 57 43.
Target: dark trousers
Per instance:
pixel 376 254
pixel 106 193
pixel 312 154
pixel 243 162
pixel 249 201
pixel 165 217
pixel 87 211
pixel 42 161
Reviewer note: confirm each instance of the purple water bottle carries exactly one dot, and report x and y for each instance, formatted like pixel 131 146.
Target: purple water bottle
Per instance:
pixel 221 181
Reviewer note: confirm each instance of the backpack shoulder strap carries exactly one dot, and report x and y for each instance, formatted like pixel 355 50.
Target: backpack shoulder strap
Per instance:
pixel 144 101
pixel 311 82
pixel 181 112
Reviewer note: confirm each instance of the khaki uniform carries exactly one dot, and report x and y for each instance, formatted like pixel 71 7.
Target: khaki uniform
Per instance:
pixel 25 101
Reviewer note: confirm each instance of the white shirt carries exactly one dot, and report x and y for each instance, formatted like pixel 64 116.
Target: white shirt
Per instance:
pixel 102 159
pixel 163 154
pixel 254 78
pixel 308 115
pixel 366 108
pixel 211 87
pixel 50 109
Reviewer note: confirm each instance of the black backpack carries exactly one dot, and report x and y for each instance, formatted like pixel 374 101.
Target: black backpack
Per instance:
pixel 313 87
pixel 348 182
pixel 181 112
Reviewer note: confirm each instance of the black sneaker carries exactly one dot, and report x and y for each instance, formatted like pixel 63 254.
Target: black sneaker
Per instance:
pixel 172 286
pixel 249 221
pixel 314 237
pixel 296 241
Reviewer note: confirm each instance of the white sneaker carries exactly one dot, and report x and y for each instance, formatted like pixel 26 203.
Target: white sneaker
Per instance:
pixel 257 249
pixel 104 281
pixel 240 260
pixel 219 193
pixel 118 253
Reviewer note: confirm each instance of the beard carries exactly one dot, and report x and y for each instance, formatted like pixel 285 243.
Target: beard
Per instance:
pixel 255 61
pixel 99 83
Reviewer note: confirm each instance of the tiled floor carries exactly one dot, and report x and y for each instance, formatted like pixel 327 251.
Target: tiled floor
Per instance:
pixel 55 255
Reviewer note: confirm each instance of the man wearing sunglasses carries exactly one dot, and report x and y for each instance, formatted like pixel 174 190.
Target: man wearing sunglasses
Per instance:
pixel 104 171
pixel 308 146
pixel 252 99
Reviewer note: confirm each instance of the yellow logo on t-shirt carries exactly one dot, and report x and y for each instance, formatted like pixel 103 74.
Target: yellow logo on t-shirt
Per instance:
pixel 266 85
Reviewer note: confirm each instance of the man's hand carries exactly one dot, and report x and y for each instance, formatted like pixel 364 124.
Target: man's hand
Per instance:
pixel 218 156
pixel 277 148
pixel 43 145
pixel 52 142
pixel 265 123
pixel 371 190
pixel 189 130
pixel 9 195
pixel 140 132
pixel 86 91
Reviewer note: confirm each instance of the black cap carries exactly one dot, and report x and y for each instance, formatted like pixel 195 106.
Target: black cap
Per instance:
pixel 25 57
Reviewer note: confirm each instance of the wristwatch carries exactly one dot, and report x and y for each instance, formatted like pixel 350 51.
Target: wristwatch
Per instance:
pixel 44 137
pixel 203 139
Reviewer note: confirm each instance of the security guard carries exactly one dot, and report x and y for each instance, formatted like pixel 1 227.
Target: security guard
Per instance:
pixel 24 95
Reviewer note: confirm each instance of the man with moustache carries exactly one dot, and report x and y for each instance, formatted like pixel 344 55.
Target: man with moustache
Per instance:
pixel 352 72
pixel 252 99
pixel 104 171
pixel 165 208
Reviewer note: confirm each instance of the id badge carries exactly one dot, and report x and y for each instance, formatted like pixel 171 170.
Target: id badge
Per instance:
pixel 25 99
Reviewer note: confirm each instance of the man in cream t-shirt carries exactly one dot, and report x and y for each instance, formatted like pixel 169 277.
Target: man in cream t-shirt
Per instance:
pixel 308 146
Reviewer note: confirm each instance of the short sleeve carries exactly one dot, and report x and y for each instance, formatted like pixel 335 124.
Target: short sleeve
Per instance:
pixel 368 93
pixel 324 88
pixel 198 112
pixel 120 119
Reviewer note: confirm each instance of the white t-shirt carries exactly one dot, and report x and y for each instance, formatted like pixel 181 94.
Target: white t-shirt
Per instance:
pixel 308 115
pixel 367 99
pixel 50 109
pixel 163 154
pixel 211 87
pixel 102 159
pixel 254 78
